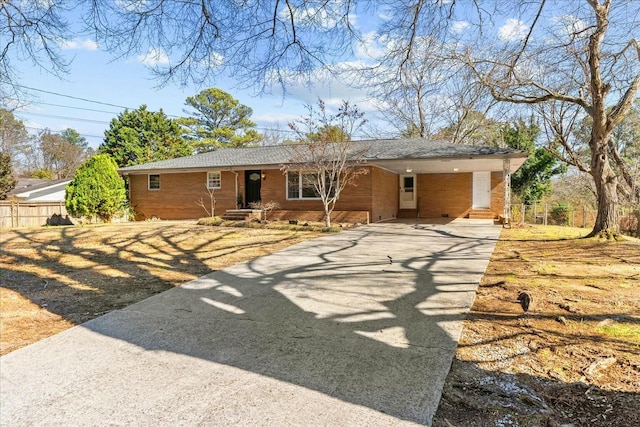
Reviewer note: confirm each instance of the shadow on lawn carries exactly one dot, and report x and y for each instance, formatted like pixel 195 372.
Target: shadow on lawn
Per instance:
pixel 79 276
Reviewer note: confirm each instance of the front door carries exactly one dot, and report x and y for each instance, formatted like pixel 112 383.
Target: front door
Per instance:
pixel 407 191
pixel 481 190
pixel 252 182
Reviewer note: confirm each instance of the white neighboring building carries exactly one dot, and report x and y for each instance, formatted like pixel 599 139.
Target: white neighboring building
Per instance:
pixel 39 190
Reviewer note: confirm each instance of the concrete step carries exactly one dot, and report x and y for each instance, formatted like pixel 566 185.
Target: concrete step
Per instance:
pixel 408 213
pixel 240 214
pixel 481 214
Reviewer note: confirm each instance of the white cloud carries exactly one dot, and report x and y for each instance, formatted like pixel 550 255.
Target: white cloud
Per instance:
pixel 369 46
pixel 273 117
pixel 77 44
pixel 385 13
pixel 215 60
pixel 569 25
pixel 154 57
pixel 131 5
pixel 459 26
pixel 513 30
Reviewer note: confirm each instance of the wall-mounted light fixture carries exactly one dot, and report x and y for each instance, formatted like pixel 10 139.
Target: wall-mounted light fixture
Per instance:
pixel 409 170
pixel 264 176
pixel 456 169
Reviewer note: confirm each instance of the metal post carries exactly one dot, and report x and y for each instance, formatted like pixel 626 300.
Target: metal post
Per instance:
pixel 506 179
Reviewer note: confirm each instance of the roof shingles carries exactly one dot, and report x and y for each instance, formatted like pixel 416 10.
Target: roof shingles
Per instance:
pixel 379 149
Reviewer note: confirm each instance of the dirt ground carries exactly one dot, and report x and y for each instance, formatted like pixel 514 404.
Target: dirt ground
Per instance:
pixel 573 359
pixel 54 278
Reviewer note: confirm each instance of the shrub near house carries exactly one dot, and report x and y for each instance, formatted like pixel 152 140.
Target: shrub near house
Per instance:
pixel 96 189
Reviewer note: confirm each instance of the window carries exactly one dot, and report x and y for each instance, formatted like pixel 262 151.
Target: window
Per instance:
pixel 154 182
pixel 301 185
pixel 214 180
pixel 293 185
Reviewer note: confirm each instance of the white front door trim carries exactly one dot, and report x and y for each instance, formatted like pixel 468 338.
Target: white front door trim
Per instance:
pixel 408 191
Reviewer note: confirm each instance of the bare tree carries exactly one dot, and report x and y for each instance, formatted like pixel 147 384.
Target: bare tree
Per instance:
pixel 60 156
pixel 583 63
pixel 30 31
pixel 259 41
pixel 326 158
pixel 209 205
pixel 265 207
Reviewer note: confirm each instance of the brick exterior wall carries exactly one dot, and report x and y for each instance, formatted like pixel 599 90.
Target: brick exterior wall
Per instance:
pixel 178 194
pixel 385 198
pixel 444 194
pixel 353 198
pixel 452 194
pixel 337 217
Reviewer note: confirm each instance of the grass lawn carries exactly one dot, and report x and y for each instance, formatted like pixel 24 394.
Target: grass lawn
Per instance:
pixel 573 358
pixel 54 278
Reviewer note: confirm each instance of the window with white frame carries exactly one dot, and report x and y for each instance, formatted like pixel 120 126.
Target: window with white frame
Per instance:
pixel 214 180
pixel 154 181
pixel 301 185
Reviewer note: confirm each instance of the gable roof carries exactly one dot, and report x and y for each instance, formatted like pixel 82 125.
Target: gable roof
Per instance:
pixel 28 185
pixel 39 190
pixel 276 155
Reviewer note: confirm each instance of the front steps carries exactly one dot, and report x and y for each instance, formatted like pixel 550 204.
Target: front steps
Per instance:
pixel 481 214
pixel 241 214
pixel 407 213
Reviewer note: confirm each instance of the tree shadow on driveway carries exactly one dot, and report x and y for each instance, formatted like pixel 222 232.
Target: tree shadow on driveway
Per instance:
pixel 334 315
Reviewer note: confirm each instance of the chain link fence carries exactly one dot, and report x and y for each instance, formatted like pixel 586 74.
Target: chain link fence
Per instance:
pixel 568 215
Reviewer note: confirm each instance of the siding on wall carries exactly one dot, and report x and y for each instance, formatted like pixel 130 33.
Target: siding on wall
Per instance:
pixel 178 195
pixel 385 196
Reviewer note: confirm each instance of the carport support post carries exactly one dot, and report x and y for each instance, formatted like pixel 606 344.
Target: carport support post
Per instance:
pixel 506 178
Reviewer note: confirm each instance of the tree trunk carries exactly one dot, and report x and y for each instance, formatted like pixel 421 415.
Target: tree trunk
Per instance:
pixel 606 181
pixel 327 217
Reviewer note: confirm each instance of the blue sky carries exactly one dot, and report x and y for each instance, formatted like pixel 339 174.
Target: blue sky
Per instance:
pixel 95 75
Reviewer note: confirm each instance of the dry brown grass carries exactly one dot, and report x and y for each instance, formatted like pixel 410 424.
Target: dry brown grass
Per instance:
pixel 54 278
pixel 578 348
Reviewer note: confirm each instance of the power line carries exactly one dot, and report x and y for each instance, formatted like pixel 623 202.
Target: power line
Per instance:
pixel 75 97
pixel 78 108
pixel 52 116
pixel 85 100
pixel 86 135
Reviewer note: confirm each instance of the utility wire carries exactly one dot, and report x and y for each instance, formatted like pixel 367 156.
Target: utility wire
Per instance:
pixel 86 135
pixel 78 108
pixel 75 97
pixel 52 116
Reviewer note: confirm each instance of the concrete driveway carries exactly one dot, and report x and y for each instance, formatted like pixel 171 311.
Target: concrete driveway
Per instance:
pixel 327 332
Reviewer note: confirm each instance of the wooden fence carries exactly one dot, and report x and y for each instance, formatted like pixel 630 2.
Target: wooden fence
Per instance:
pixel 582 216
pixel 18 214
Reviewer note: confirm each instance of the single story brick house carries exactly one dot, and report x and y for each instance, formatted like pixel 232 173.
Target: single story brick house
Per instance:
pixel 406 178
